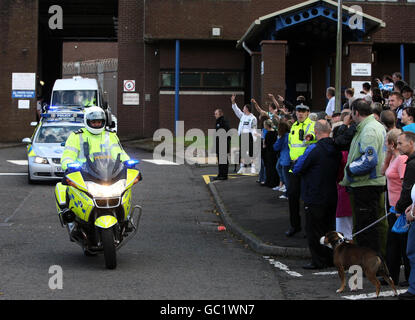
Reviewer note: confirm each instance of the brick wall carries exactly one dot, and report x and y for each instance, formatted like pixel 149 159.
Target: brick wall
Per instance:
pixel 130 65
pixel 83 51
pixel 16 36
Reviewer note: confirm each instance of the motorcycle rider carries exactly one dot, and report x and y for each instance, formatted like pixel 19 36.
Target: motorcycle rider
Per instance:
pixel 96 136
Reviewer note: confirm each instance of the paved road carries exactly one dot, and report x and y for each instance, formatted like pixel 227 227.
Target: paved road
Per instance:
pixel 177 254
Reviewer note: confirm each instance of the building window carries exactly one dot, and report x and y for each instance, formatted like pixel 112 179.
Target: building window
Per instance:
pixel 203 79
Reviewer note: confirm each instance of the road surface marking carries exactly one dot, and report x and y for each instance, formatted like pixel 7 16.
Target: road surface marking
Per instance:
pixel 373 295
pixel 161 162
pixel 18 162
pixel 20 206
pixel 207 177
pixel 13 174
pixel 283 267
pixel 326 273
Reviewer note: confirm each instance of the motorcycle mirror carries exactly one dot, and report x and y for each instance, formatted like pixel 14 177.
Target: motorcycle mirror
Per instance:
pixel 131 163
pixel 74 166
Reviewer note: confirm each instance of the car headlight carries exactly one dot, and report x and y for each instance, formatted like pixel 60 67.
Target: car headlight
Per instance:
pixel 41 160
pixel 106 191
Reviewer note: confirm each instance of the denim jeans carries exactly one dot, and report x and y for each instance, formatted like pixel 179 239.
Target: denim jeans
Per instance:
pixel 262 175
pixel 410 252
pixel 279 171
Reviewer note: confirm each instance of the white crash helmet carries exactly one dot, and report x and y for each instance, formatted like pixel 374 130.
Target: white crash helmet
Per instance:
pixel 94 113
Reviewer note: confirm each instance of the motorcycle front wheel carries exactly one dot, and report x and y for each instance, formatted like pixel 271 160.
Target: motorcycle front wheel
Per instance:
pixel 108 243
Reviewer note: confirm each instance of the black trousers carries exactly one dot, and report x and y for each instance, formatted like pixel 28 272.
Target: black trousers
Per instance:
pixel 294 193
pixel 245 153
pixel 319 219
pixel 396 251
pixel 271 174
pixel 223 168
pixel 366 210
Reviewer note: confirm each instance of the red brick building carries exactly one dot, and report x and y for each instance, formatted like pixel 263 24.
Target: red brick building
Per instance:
pixel 247 47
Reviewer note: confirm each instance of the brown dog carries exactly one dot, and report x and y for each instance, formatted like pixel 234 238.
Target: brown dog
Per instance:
pixel 347 254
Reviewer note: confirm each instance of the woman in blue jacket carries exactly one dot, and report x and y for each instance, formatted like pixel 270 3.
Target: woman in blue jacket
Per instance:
pixel 284 161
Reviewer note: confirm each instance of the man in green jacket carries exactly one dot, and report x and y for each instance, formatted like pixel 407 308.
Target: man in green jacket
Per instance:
pixel 363 176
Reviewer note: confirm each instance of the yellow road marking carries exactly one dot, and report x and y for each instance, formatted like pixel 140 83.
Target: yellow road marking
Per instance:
pixel 207 177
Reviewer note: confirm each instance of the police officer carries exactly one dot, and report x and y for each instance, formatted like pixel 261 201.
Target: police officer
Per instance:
pixel 301 135
pixel 95 135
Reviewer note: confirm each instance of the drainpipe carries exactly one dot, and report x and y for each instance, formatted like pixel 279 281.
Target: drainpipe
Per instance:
pixel 177 85
pixel 246 48
pixel 402 61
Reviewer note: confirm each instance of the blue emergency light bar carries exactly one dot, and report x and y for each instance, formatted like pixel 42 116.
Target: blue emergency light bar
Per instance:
pixel 60 116
pixel 131 163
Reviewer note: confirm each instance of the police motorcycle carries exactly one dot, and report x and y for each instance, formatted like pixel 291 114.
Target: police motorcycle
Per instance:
pixel 94 203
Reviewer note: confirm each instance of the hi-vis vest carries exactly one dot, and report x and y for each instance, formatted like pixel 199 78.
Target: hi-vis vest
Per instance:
pixel 106 140
pixel 297 146
pixel 90 103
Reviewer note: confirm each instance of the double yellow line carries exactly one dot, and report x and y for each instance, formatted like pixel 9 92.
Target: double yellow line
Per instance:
pixel 207 177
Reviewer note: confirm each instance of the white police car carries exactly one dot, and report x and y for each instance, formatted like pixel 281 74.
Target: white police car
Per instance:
pixel 46 146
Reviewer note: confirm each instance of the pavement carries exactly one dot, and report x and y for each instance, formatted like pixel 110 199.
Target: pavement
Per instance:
pixel 252 212
pixel 257 215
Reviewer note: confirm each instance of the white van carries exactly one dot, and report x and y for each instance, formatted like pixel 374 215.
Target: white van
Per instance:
pixel 79 92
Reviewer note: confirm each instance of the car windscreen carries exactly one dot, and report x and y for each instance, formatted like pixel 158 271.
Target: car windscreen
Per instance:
pixel 80 98
pixel 54 134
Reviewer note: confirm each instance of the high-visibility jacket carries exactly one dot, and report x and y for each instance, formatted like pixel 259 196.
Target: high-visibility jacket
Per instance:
pixel 90 103
pixel 297 146
pixel 105 141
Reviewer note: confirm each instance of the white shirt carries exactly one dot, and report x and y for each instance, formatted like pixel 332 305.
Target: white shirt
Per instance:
pixel 247 123
pixel 331 106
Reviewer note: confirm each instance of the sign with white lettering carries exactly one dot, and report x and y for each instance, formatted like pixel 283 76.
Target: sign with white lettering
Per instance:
pixel 23 94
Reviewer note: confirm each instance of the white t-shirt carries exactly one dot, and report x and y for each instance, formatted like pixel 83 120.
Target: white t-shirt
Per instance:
pixel 247 123
pixel 331 106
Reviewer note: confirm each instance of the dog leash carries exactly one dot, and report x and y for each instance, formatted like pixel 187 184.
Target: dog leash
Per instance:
pixel 371 225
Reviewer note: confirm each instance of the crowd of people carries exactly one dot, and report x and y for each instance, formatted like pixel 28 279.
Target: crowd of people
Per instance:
pixel 349 168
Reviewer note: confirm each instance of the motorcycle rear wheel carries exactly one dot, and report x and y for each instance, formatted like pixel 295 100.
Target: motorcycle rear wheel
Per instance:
pixel 107 237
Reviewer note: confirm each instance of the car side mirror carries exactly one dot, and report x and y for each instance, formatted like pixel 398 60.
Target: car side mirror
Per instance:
pixel 27 140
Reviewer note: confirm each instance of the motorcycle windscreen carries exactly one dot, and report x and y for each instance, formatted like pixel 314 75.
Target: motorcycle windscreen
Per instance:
pixel 102 167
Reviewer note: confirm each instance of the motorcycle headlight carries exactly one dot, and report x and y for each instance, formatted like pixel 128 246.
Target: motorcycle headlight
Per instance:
pixel 41 160
pixel 106 191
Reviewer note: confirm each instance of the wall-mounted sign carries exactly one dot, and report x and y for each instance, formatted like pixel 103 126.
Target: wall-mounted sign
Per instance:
pixel 23 94
pixel 131 99
pixel 23 85
pixel 129 85
pixel 362 69
pixel 24 104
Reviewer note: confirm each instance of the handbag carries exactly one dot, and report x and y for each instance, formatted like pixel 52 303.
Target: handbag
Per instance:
pixel 400 226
